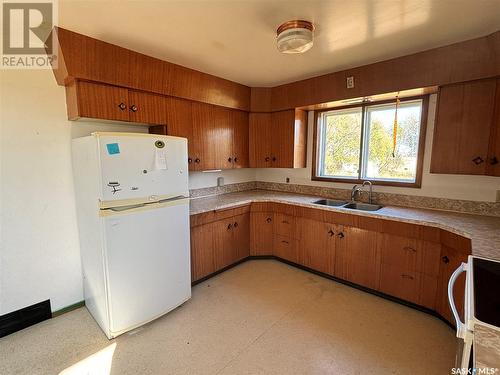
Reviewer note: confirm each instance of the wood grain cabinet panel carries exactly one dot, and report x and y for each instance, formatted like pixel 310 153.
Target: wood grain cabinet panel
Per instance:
pixel 357 258
pixel 400 283
pixel 91 100
pixel 284 225
pixel 205 134
pixel 202 251
pixel 224 249
pixel 285 247
pixel 463 126
pixel 261 233
pixel 240 153
pixel 241 235
pixel 493 164
pixel 260 140
pixel 146 108
pixel 317 246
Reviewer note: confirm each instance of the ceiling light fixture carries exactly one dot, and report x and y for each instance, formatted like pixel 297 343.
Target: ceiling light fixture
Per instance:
pixel 295 36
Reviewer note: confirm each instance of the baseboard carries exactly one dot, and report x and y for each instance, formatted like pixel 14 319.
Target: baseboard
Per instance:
pixel 69 308
pixel 25 317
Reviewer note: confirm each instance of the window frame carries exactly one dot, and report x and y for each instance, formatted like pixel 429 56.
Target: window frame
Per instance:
pixel 315 176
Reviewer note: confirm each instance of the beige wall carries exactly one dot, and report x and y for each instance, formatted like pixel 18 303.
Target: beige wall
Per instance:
pixel 478 188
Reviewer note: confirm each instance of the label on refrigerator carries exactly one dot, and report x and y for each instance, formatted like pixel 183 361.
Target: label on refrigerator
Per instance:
pixel 113 148
pixel 160 158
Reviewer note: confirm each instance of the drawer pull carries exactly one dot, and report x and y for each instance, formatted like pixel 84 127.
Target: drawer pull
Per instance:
pixel 197 160
pixel 133 108
pixel 268 219
pixel 405 276
pixel 235 224
pixel 478 160
pixel 285 242
pixel 331 232
pixel 190 160
pixel 122 106
pixel 229 226
pixel 341 235
pixel 409 248
pixel 267 158
pixel 445 259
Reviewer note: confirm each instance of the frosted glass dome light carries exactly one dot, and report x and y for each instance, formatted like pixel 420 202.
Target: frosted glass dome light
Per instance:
pixel 295 36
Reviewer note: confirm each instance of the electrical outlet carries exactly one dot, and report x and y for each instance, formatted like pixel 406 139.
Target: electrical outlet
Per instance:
pixel 349 82
pixel 220 181
pixel 287 180
pixel 498 195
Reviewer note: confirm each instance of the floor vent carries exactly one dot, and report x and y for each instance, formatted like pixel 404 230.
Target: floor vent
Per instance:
pixel 20 319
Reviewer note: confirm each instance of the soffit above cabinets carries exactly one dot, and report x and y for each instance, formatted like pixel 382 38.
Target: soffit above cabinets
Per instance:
pixel 236 39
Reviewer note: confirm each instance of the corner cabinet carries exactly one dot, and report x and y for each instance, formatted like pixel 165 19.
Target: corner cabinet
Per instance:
pixel 466 131
pixel 278 139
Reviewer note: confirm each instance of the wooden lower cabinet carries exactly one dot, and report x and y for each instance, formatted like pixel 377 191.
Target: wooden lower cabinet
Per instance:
pixel 317 245
pixel 356 257
pixel 202 251
pixel 408 266
pixel 261 233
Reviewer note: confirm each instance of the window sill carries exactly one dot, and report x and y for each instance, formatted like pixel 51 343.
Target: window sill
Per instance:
pixel 414 185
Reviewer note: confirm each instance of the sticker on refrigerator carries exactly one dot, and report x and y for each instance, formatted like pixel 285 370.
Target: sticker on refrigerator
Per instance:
pixel 113 148
pixel 115 186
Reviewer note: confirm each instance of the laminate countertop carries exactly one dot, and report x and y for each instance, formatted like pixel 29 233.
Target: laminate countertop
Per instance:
pixel 484 232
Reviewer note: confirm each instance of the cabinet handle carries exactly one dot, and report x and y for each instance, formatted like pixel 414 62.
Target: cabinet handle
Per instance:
pixel 268 219
pixel 235 159
pixel 197 160
pixel 267 158
pixel 190 160
pixel 235 224
pixel 331 232
pixel 285 242
pixel 122 106
pixel 405 276
pixel 478 160
pixel 229 226
pixel 409 248
pixel 133 108
pixel 493 160
pixel 445 259
pixel 341 235
pixel 229 159
pixel 274 158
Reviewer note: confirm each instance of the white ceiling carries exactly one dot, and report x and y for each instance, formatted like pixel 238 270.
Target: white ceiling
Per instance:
pixel 236 39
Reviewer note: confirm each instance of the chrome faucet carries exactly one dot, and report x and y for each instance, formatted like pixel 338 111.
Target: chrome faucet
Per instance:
pixel 370 191
pixel 356 190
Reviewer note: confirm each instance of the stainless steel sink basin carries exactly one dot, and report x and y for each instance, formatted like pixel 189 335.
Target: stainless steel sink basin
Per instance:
pixel 363 206
pixel 330 202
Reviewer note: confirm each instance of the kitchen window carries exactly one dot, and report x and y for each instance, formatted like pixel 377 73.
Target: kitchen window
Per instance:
pixel 356 143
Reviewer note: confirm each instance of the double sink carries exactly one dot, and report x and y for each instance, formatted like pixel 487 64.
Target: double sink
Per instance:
pixel 350 205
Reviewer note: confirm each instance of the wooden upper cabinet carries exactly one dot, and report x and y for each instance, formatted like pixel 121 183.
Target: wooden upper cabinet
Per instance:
pixel 493 165
pixel 205 135
pixel 146 108
pixel 83 57
pixel 239 122
pixel 278 140
pixel 90 100
pixel 260 140
pixel 463 126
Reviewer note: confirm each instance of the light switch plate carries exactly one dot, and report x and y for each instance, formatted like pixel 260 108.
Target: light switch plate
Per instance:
pixel 349 82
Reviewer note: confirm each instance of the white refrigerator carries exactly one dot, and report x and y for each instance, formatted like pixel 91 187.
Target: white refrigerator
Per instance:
pixel 133 216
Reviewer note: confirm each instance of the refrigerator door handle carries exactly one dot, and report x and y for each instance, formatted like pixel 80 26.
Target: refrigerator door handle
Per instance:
pixel 461 328
pixel 125 208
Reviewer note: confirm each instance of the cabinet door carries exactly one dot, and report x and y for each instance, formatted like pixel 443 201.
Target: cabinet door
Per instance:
pixel 357 258
pixel 205 135
pixel 146 108
pixel 451 259
pixel 462 127
pixel 241 235
pixel 316 245
pixel 180 124
pixel 261 233
pixel 98 101
pixel 240 139
pixel 493 165
pixel 222 141
pixel 202 251
pixel 285 247
pixel 224 249
pixel 260 140
pixel 283 131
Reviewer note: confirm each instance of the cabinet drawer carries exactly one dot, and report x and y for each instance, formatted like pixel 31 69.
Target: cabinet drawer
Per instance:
pixel 284 247
pixel 399 283
pixel 284 225
pixel 223 214
pixel 241 210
